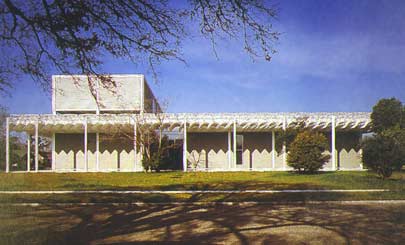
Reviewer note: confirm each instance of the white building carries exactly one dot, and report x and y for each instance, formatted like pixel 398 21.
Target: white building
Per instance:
pixel 84 113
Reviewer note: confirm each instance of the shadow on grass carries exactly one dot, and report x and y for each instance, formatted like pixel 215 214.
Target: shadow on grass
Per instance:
pixel 225 185
pixel 206 224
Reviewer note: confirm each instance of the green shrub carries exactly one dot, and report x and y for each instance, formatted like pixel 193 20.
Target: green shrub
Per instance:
pixel 160 153
pixel 306 152
pixel 384 152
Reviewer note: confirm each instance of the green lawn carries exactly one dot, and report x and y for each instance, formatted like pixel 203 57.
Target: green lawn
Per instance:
pixel 199 181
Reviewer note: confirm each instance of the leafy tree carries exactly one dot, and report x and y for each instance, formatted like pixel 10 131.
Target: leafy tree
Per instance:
pixel 70 36
pixel 385 152
pixel 288 135
pixel 387 113
pixel 159 152
pixel 306 152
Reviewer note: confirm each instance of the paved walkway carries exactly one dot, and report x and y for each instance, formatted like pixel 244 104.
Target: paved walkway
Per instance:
pixel 322 223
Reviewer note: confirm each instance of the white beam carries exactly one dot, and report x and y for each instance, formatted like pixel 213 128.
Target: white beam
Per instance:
pixel 36 147
pixel 98 151
pixel 29 153
pixel 172 126
pixel 229 150
pixel 284 145
pixel 86 162
pixel 273 149
pixel 135 145
pixel 53 152
pixel 234 143
pixel 185 146
pixel 333 142
pixel 7 146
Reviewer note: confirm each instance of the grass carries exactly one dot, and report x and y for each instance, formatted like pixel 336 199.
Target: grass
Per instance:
pixel 198 181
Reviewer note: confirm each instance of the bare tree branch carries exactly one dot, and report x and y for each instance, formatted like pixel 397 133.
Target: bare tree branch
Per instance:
pixel 42 37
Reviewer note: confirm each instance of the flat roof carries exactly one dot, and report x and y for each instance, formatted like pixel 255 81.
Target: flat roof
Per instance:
pixel 196 122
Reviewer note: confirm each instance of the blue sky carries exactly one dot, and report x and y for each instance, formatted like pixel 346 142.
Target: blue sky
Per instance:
pixel 332 56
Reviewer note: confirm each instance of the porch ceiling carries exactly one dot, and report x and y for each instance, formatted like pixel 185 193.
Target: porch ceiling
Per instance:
pixel 196 122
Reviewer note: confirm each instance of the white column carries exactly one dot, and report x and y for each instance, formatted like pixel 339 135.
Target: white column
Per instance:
pixel 36 147
pixel 86 162
pixel 185 146
pixel 333 142
pixel 7 146
pixel 234 143
pixel 53 96
pixel 141 149
pixel 135 145
pixel 98 151
pixel 284 145
pixel 97 97
pixel 229 149
pixel 29 153
pixel 273 149
pixel 53 152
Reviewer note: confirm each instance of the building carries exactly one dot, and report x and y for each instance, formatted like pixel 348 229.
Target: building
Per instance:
pixel 84 113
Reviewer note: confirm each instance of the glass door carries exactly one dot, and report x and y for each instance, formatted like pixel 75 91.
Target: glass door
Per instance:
pixel 239 149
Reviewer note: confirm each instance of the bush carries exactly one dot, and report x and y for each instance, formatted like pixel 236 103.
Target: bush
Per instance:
pixel 306 152
pixel 384 152
pixel 161 154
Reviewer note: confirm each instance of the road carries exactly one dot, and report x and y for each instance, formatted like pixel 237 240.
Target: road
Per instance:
pixel 320 223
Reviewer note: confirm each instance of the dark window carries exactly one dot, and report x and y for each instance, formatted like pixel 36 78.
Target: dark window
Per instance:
pixel 239 149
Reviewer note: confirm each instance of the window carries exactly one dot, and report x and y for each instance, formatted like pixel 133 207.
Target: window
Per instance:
pixel 239 149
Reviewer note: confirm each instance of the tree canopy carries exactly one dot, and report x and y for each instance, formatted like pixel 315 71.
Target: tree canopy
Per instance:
pixel 71 36
pixel 306 152
pixel 385 151
pixel 387 113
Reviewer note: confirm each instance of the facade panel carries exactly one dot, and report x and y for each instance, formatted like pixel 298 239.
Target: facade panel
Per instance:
pixel 126 96
pixel 83 94
pixel 73 93
pixel 208 150
pixel 69 152
pixel 117 154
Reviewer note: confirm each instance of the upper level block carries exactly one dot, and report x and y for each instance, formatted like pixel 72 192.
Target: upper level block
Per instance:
pixel 83 94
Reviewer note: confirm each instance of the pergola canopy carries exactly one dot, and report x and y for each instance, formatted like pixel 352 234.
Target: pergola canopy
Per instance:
pixel 196 122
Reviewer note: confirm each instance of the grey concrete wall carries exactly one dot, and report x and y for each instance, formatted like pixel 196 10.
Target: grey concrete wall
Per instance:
pixel 208 150
pixel 116 153
pixel 151 104
pixel 348 152
pixel 257 153
pixel 70 151
pixel 73 93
